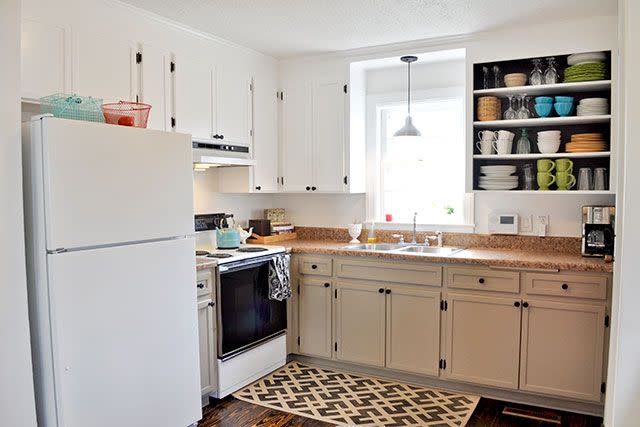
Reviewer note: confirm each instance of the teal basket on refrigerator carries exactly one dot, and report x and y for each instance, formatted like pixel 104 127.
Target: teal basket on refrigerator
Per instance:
pixel 73 107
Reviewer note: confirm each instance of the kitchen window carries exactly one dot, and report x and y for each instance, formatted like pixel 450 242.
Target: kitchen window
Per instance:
pixel 425 175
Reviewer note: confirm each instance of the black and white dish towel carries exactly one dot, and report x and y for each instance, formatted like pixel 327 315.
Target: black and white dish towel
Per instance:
pixel 279 280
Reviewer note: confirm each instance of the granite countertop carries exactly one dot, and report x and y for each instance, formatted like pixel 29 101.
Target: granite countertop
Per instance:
pixel 476 255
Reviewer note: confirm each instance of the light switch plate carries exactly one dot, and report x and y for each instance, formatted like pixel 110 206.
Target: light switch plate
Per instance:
pixel 526 224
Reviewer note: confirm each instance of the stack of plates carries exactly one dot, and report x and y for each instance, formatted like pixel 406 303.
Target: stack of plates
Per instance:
pixel 593 107
pixel 586 143
pixel 498 177
pixel 585 67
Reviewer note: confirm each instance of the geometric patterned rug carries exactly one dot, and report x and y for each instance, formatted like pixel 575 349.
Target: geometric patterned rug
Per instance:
pixel 348 399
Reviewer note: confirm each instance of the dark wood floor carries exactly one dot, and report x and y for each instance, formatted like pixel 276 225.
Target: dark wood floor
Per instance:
pixel 231 412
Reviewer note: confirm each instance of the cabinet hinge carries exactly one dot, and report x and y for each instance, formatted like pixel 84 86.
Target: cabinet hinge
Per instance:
pixel 250 132
pixel 137 98
pixel 172 66
pixel 298 290
pixel 173 122
pixel 250 87
pixel 346 180
pixel 298 340
pixel 335 346
pixel 138 57
pixel 282 180
pixel 442 364
pixel 281 95
pixel 606 321
pixel 335 293
pixel 344 88
pixel 444 305
pixel 603 388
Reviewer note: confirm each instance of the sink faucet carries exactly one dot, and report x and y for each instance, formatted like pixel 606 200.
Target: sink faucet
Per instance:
pixel 400 238
pixel 437 236
pixel 413 234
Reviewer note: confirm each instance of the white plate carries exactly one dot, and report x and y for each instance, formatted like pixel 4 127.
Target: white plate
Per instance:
pixel 498 168
pixel 586 57
pixel 594 101
pixel 495 175
pixel 498 187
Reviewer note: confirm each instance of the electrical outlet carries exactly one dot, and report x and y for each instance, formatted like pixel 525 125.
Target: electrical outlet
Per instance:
pixel 543 225
pixel 526 224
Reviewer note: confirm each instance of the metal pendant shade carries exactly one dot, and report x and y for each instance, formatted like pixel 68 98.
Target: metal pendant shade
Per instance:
pixel 408 129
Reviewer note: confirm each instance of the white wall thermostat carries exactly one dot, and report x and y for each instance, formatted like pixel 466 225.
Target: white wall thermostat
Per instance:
pixel 503 223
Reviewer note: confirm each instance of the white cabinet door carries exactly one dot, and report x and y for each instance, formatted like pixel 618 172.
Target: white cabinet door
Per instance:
pixel 562 349
pixel 360 322
pixel 296 139
pixel 235 105
pixel 195 97
pixel 105 67
pixel 483 339
pixel 206 339
pixel 314 311
pixel 265 137
pixel 413 329
pixel 45 59
pixel 328 137
pixel 154 86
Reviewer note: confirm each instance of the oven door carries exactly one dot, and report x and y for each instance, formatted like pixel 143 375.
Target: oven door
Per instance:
pixel 246 315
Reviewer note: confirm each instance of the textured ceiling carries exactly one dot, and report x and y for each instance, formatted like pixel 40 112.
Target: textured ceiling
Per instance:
pixel 286 28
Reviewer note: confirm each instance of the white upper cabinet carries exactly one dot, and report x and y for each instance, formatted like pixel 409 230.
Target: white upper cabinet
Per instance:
pixel 194 97
pixel 296 153
pixel 235 105
pixel 154 85
pixel 265 136
pixel 45 60
pixel 104 67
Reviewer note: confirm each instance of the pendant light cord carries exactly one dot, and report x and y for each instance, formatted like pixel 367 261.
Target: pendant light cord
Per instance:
pixel 408 88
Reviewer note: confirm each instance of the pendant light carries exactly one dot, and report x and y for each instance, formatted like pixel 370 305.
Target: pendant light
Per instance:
pixel 408 129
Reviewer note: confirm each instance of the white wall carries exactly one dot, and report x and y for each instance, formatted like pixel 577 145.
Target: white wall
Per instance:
pixel 17 406
pixel 622 405
pixel 423 76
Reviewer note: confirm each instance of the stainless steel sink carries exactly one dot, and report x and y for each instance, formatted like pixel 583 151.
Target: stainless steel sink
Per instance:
pixel 374 247
pixel 431 250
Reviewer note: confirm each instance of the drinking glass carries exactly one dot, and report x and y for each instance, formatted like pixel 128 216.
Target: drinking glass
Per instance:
pixel 536 77
pixel 524 145
pixel 529 179
pixel 551 74
pixel 600 179
pixel 485 77
pixel 497 76
pixel 585 179
pixel 523 111
pixel 510 113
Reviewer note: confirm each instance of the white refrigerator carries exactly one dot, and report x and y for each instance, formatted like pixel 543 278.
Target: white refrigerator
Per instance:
pixel 111 274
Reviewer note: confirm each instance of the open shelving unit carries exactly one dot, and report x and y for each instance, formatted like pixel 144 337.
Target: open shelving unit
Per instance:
pixel 567 125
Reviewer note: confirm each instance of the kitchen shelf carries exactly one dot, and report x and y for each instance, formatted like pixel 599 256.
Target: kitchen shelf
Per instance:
pixel 555 192
pixel 545 121
pixel 553 89
pixel 540 156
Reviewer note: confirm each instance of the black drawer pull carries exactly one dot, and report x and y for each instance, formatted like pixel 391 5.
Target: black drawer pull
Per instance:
pixel 388 291
pixel 481 280
pixel 211 304
pixel 565 286
pixel 200 285
pixel 326 285
pixel 313 266
pixel 308 188
pixel 516 304
pixel 381 290
pixel 525 304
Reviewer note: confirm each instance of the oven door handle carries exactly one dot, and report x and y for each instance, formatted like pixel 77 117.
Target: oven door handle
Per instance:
pixel 243 265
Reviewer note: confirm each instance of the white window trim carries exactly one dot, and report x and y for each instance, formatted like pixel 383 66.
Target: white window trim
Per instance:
pixel 374 105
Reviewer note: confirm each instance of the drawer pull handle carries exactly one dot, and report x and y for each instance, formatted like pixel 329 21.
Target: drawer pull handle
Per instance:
pixel 565 286
pixel 211 304
pixel 388 291
pixel 481 280
pixel 525 304
pixel 313 266
pixel 516 304
pixel 200 285
pixel 326 285
pixel 381 290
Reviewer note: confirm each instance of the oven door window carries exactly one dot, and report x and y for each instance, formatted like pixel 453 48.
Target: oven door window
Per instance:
pixel 248 316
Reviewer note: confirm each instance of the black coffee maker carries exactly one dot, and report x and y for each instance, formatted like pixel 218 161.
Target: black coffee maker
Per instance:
pixel 598 230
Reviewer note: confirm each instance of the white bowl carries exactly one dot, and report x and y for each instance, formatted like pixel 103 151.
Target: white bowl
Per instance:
pixel 548 147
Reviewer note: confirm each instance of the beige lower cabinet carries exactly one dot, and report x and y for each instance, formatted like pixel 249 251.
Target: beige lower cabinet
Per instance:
pixel 562 348
pixel 314 311
pixel 413 329
pixel 206 335
pixel 483 339
pixel 360 322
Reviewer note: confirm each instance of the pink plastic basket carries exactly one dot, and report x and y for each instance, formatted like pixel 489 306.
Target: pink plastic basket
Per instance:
pixel 125 113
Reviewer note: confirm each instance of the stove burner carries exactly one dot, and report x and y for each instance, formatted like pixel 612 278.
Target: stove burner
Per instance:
pixel 202 253
pixel 251 249
pixel 220 255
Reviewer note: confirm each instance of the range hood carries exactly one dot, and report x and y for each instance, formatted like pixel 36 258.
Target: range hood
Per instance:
pixel 208 153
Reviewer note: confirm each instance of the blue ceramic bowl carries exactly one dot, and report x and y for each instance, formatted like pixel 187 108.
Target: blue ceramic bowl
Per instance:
pixel 563 108
pixel 544 100
pixel 562 99
pixel 543 110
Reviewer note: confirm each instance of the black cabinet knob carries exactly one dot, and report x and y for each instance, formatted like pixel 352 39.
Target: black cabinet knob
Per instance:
pixel 211 304
pixel 525 304
pixel 258 187
pixel 313 188
pixel 516 304
pixel 565 286
pixel 388 291
pixel 221 136
pixel 326 285
pixel 313 266
pixel 381 290
pixel 200 285
pixel 481 280
pixel 308 188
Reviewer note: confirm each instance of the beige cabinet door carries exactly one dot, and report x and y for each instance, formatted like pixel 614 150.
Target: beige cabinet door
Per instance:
pixel 483 339
pixel 206 336
pixel 562 349
pixel 413 329
pixel 360 322
pixel 314 312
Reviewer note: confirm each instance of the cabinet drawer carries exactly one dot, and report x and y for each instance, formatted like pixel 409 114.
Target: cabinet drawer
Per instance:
pixel 204 283
pixel 483 279
pixel 569 285
pixel 418 274
pixel 315 265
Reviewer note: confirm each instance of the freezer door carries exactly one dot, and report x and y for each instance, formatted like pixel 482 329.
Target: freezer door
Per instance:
pixel 106 184
pixel 124 329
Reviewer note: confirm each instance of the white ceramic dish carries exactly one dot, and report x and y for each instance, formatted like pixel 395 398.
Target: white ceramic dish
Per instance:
pixel 586 57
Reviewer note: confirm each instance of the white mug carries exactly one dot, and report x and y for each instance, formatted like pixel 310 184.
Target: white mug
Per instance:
pixel 503 146
pixel 505 134
pixel 485 146
pixel 487 135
